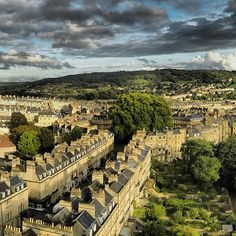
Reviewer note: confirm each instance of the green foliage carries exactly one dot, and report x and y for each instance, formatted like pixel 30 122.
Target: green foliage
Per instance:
pixel 18 131
pixel 192 149
pixel 29 143
pixel 154 229
pixel 178 217
pixel 226 153
pixel 136 111
pixel 206 169
pixel 179 204
pixel 185 230
pixel 47 140
pixel 155 211
pixel 139 213
pixel 17 119
pixel 73 135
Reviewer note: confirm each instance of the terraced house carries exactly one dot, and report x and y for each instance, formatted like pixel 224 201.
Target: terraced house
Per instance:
pixel 50 175
pixel 103 206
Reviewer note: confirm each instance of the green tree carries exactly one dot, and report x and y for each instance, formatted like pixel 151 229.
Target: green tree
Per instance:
pixel 154 229
pixel 135 111
pixel 206 169
pixel 18 131
pixel 226 153
pixel 192 149
pixel 29 143
pixel 178 217
pixel 47 140
pixel 76 133
pixel 185 230
pixel 155 211
pixel 17 119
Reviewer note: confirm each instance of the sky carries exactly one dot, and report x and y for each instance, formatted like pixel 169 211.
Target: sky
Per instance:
pixel 52 38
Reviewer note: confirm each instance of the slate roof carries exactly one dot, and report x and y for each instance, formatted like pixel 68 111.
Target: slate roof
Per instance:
pixel 15 181
pixel 40 170
pixel 3 187
pixel 127 173
pixel 116 187
pixel 85 219
pixel 122 179
pixel 98 207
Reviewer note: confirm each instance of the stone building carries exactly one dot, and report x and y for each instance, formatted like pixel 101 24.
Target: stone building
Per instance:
pixel 104 206
pixel 166 145
pixel 50 175
pixel 13 200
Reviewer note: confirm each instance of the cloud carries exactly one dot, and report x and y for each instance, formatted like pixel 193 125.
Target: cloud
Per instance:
pixel 15 58
pixel 212 60
pixel 189 6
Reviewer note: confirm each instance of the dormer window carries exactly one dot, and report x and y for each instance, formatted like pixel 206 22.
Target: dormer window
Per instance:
pixel 9 192
pixel 94 228
pixel 17 188
pixel 44 174
pixel 40 177
pixel 22 186
pixel 3 194
pixel 53 171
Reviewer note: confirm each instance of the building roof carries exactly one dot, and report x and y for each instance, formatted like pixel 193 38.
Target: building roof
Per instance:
pixel 15 181
pixel 3 187
pixel 5 141
pixel 85 219
pixel 127 173
pixel 47 113
pixel 116 187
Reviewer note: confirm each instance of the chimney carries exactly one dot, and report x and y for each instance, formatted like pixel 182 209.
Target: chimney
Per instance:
pixel 5 177
pixel 66 204
pixel 98 175
pixel 90 208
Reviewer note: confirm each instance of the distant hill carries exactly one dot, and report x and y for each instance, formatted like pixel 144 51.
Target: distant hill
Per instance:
pixel 110 84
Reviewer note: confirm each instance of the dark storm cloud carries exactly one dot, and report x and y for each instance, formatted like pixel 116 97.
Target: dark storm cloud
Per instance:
pixel 189 5
pixel 111 28
pixel 14 58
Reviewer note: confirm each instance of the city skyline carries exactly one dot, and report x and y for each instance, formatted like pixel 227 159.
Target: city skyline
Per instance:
pixel 50 38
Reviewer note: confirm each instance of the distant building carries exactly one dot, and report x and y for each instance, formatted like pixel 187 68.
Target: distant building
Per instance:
pixel 46 118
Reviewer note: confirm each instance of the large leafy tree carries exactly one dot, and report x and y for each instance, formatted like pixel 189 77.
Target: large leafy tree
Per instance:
pixel 192 149
pixel 206 169
pixel 29 143
pixel 135 111
pixel 17 119
pixel 226 153
pixel 47 140
pixel 18 131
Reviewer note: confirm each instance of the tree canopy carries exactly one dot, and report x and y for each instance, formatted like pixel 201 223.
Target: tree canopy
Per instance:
pixel 206 169
pixel 18 131
pixel 29 143
pixel 192 149
pixel 226 153
pixel 135 111
pixel 47 140
pixel 17 119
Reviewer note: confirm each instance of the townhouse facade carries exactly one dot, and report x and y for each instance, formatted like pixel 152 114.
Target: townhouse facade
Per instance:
pixel 103 206
pixel 13 200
